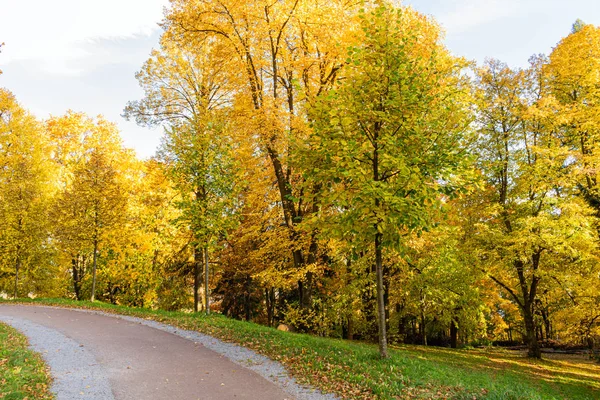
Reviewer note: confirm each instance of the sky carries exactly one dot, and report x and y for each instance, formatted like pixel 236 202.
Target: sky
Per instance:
pixel 83 54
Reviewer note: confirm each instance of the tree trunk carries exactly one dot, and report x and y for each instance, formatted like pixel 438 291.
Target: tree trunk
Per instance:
pixel 247 299
pixel 453 334
pixel 533 347
pixel 383 352
pixel 381 304
pixel 402 333
pixel 281 297
pixel 17 268
pixel 386 295
pixel 350 333
pixel 270 302
pixel 76 277
pixel 307 292
pixel 292 217
pixel 247 308
pixel 528 305
pixel 94 265
pixel 206 279
pixel 198 261
pixel 548 334
pixel 527 302
pixel 423 330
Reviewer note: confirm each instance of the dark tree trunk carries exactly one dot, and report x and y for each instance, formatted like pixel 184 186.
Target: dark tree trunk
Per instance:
pixel 292 217
pixel 281 299
pixel 76 277
pixel 94 265
pixel 526 301
pixel 547 327
pixel 307 292
pixel 529 293
pixel 350 327
pixel 270 303
pixel 247 311
pixel 453 334
pixel 380 298
pixel 381 303
pixel 386 295
pixel 422 325
pixel 198 261
pixel 248 298
pixel 17 268
pixel 528 290
pixel 206 281
pixel 533 347
pixel 402 328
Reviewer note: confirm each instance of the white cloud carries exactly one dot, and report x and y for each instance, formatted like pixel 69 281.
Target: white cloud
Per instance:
pixel 56 33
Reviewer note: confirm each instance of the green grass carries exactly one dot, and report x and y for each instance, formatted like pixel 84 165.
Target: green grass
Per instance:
pixel 354 371
pixel 23 374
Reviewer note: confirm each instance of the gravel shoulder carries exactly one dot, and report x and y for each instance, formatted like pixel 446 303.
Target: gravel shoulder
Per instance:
pixel 124 357
pixel 76 372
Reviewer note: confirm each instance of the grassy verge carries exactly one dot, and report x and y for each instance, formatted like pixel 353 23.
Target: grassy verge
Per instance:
pixel 354 371
pixel 23 374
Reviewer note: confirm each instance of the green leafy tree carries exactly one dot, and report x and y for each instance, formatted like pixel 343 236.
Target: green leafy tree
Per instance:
pixel 185 92
pixel 388 139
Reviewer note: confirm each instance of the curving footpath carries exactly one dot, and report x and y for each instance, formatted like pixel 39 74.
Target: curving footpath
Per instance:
pixel 96 356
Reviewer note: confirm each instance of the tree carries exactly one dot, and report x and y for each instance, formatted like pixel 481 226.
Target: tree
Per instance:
pixel 572 74
pixel 153 243
pixel 439 286
pixel 281 56
pixel 70 135
pixel 577 26
pixel 100 202
pixel 534 229
pixel 93 200
pixel 574 83
pixel 26 187
pixel 389 136
pixel 186 91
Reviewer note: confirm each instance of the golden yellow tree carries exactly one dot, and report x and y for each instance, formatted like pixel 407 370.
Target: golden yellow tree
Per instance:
pixel 93 197
pixel 574 79
pixel 536 230
pixel 282 55
pixel 26 188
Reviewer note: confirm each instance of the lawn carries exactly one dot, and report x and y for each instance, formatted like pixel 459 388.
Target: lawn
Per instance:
pixel 23 374
pixel 353 370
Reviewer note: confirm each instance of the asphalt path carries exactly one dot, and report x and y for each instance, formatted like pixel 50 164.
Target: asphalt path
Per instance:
pixel 142 362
